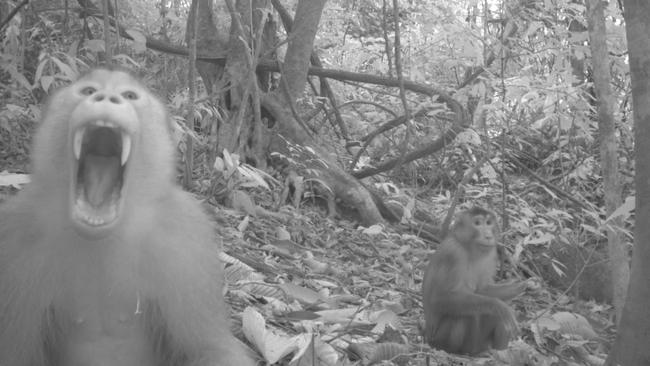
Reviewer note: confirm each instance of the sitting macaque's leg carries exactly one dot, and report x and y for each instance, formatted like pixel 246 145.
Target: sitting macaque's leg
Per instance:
pixel 505 292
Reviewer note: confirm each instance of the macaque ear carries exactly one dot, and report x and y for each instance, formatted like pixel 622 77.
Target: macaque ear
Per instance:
pixel 465 229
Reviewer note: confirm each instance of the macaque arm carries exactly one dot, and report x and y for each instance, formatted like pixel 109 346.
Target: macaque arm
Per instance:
pixel 503 292
pixel 196 319
pixel 445 271
pixel 25 295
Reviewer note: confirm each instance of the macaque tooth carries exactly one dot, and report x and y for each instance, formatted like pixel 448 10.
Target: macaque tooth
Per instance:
pixel 77 141
pixel 126 147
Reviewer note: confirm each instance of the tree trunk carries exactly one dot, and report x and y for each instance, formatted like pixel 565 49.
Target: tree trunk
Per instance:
pixel 207 38
pixel 618 257
pixel 292 85
pixel 631 346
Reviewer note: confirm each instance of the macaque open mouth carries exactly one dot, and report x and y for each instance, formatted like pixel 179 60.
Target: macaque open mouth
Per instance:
pixel 101 150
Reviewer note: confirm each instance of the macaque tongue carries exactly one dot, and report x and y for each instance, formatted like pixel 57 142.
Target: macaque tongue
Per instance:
pixel 101 174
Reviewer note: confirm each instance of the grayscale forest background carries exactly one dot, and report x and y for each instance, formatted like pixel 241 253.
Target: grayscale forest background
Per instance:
pixel 334 141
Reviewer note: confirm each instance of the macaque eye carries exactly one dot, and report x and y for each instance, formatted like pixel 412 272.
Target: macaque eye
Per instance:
pixel 130 95
pixel 477 222
pixel 89 90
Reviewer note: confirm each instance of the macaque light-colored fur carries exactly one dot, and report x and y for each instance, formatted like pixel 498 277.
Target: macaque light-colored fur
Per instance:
pixel 145 291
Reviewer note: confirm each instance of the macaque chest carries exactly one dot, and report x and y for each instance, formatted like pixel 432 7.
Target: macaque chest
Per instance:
pixel 105 327
pixel 481 272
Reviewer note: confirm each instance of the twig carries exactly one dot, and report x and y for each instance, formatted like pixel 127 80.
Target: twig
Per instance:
pixel 402 91
pixel 13 13
pixel 459 193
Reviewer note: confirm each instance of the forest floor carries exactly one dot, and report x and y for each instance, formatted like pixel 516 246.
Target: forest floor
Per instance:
pixel 357 290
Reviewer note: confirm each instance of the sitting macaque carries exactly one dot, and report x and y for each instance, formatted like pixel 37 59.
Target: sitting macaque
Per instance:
pixel 464 310
pixel 104 260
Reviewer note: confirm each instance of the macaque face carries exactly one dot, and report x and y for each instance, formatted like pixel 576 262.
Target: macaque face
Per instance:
pixel 109 112
pixel 476 229
pixel 486 229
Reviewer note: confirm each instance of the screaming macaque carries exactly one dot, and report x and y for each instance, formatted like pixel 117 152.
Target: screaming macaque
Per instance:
pixel 464 310
pixel 104 260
